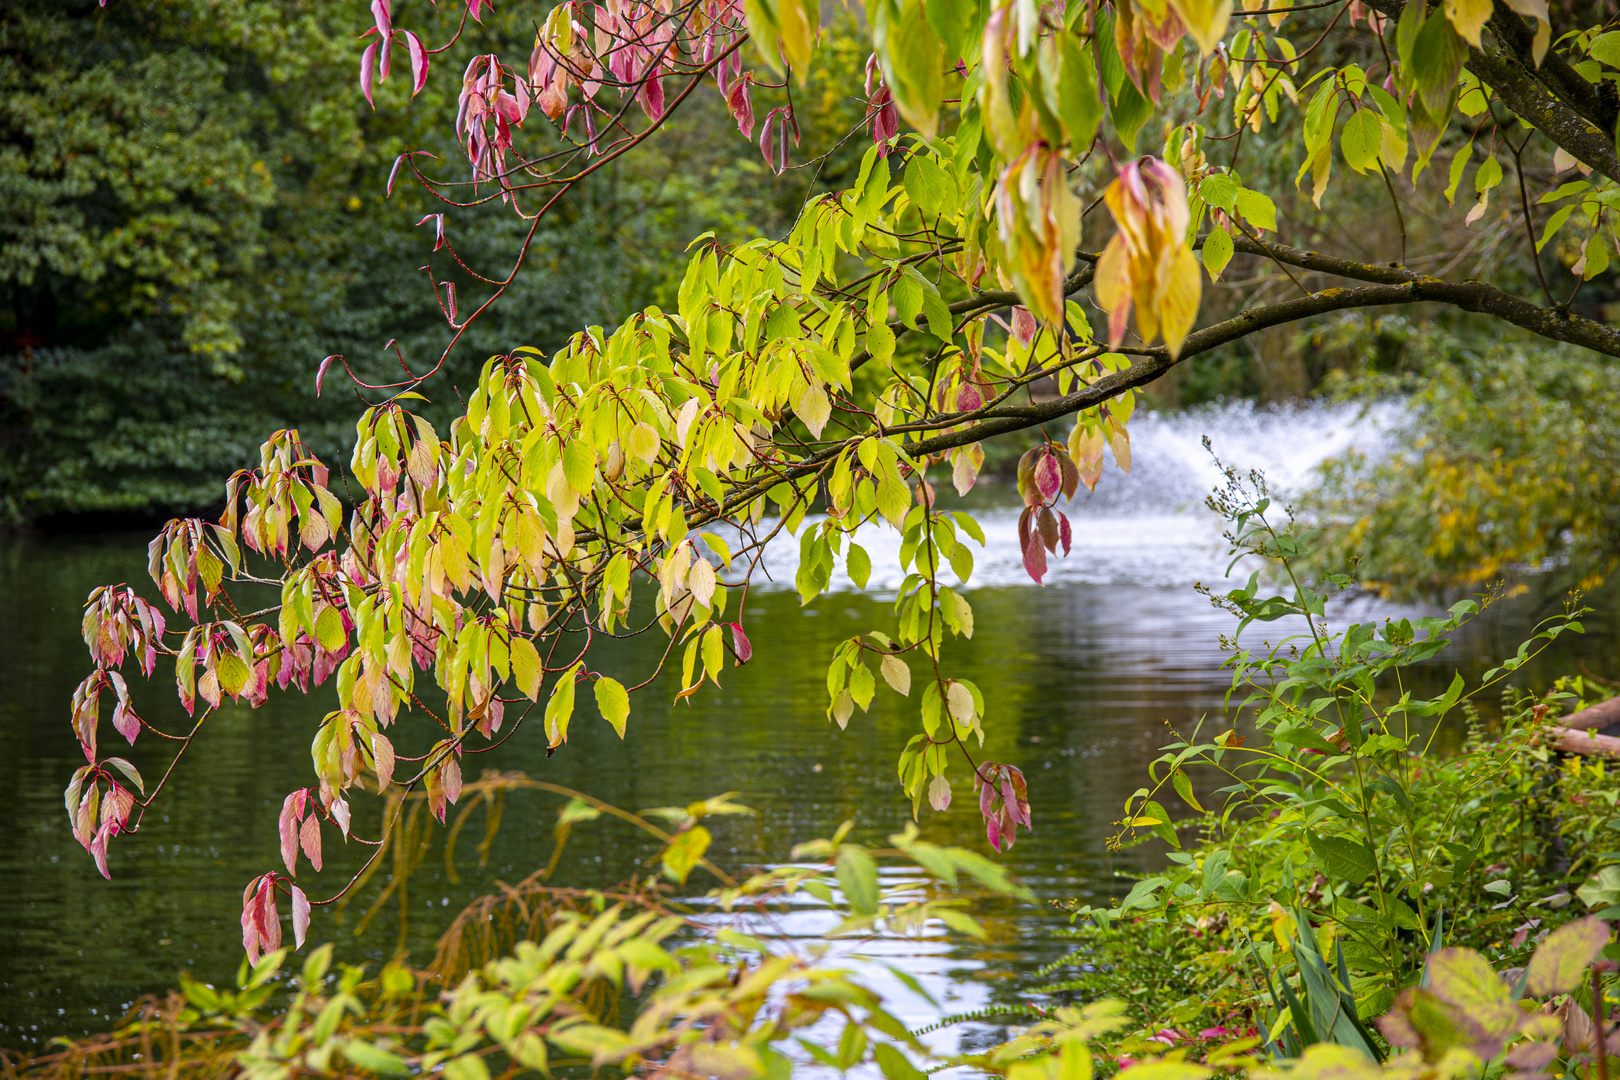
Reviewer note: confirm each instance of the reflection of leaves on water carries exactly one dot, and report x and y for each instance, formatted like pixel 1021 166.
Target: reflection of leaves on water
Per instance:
pixel 169 103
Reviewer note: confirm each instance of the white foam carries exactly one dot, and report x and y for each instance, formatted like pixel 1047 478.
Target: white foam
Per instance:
pixel 1149 527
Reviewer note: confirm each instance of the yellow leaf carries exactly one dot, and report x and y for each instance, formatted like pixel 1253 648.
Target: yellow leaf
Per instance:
pixel 526 666
pixel 1469 17
pixel 614 702
pixel 1206 20
pixel 1178 304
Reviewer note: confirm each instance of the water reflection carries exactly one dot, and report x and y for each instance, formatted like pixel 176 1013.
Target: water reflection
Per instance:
pixel 1080 678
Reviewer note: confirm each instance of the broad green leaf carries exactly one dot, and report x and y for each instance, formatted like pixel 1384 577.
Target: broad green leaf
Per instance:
pixel 1349 860
pixel 858 878
pixel 1361 138
pixel 1217 252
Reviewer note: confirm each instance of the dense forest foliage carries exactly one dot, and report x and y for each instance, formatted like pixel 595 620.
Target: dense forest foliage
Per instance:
pixel 196 210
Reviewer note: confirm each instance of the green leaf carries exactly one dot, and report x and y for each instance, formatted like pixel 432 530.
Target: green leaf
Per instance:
pixel 1348 860
pixel 858 565
pixel 1561 960
pixel 560 709
pixel 1437 59
pixel 375 1059
pixel 1080 105
pixel 1217 252
pixel 961 922
pixel 579 465
pixel 614 702
pixel 1131 110
pixel 684 852
pixel 1362 135
pixel 857 876
pixel 1603 889
pixel 930 188
pixel 895 1065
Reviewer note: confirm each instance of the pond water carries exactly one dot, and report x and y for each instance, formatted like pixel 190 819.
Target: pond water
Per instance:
pixel 1080 678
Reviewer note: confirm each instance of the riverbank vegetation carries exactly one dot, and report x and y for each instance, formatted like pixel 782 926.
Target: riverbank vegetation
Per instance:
pixel 1039 245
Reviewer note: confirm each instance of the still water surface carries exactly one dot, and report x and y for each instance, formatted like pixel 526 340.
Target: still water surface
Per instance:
pixel 1080 678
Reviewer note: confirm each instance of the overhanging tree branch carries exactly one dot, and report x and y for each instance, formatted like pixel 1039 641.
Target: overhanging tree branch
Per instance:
pixel 1391 285
pixel 1554 98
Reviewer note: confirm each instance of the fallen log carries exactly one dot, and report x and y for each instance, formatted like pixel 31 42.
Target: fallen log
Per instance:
pixel 1583 740
pixel 1594 717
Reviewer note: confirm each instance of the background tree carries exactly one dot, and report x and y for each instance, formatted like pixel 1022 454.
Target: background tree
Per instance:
pixel 196 206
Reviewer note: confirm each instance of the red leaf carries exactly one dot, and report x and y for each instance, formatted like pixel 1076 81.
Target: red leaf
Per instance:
pixel 300 913
pixel 368 72
pixel 652 98
pixel 472 9
pixel 265 915
pixel 438 225
pixel 741 106
pixel 1035 557
pixel 740 643
pixel 419 62
pixel 250 923
pixel 1063 527
pixel 385 62
pixel 379 11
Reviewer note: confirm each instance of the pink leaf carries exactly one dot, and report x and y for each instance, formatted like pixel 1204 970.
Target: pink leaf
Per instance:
pixel 652 98
pixel 438 225
pixel 1048 475
pixel 118 805
pixel 740 643
pixel 98 847
pixel 300 906
pixel 309 838
pixel 340 814
pixel 1010 798
pixel 127 723
pixel 472 9
pixel 368 72
pixel 379 11
pixel 250 923
pixel 382 754
pixel 1035 557
pixel 1066 534
pixel 741 106
pixel 1023 325
pixel 385 60
pixel 265 914
pixel 450 775
pixel 968 398
pixel 292 808
pixel 419 62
